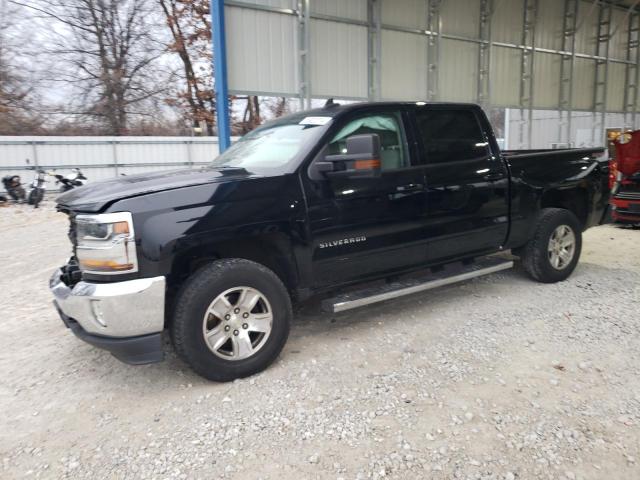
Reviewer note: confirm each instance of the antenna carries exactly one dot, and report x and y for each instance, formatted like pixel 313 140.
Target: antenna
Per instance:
pixel 330 103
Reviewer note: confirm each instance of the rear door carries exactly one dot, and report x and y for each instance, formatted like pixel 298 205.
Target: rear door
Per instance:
pixel 467 183
pixel 361 227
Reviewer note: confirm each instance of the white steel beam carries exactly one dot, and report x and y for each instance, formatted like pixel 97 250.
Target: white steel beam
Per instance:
pixel 303 12
pixel 632 70
pixel 603 41
pixel 484 55
pixel 529 16
pixel 567 65
pixel 374 48
pixel 434 27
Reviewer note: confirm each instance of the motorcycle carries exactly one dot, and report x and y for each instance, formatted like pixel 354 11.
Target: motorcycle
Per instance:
pixel 75 179
pixel 36 194
pixel 14 188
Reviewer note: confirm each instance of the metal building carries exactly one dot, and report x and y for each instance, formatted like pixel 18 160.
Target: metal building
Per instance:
pixel 575 58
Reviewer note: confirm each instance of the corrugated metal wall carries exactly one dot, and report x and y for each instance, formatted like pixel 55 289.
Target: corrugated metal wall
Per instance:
pixel 549 25
pixel 338 50
pixel 545 129
pixel 400 53
pixel 101 158
pixel 338 60
pixel 506 21
pixel 348 56
pixel 458 76
pixel 407 13
pixel 263 42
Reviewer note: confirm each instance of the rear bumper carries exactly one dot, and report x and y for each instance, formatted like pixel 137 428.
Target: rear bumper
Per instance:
pixel 125 318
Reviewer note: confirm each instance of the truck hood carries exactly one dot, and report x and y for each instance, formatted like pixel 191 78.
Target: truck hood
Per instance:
pixel 96 196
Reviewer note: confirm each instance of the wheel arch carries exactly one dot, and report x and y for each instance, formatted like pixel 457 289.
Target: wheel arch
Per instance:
pixel 575 200
pixel 272 250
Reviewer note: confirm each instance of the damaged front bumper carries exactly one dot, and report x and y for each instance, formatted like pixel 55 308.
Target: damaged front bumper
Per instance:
pixel 125 318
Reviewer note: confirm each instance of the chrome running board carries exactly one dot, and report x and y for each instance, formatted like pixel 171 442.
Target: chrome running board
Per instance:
pixel 452 273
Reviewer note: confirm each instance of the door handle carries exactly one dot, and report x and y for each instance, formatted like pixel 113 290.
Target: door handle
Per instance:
pixel 410 187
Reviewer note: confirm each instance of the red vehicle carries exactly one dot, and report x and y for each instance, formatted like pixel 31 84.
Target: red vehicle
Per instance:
pixel 624 178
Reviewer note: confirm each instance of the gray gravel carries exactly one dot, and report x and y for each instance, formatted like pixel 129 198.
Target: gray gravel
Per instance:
pixel 496 378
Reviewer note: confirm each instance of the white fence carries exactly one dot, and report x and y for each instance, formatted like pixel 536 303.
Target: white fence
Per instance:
pixel 101 158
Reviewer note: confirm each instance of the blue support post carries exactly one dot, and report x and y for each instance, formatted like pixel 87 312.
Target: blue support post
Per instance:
pixel 220 74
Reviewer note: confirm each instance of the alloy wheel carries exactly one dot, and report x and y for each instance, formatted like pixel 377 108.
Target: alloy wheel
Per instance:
pixel 237 323
pixel 562 247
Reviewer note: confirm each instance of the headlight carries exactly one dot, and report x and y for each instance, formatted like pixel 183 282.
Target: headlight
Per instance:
pixel 106 243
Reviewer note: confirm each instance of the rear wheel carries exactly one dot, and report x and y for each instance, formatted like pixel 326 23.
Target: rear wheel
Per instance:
pixel 553 252
pixel 35 197
pixel 231 319
pixel 18 194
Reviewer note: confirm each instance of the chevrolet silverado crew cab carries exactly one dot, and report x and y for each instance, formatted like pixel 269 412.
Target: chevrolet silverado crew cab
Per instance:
pixel 313 204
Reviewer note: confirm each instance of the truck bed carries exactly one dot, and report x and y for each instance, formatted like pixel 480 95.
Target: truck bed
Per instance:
pixel 554 152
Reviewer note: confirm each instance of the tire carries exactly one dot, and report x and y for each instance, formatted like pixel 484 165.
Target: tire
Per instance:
pixel 224 282
pixel 18 194
pixel 35 197
pixel 547 261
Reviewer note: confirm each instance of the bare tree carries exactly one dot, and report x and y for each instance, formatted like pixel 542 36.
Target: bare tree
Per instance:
pixel 257 109
pixel 251 117
pixel 16 90
pixel 190 27
pixel 188 23
pixel 279 107
pixel 109 55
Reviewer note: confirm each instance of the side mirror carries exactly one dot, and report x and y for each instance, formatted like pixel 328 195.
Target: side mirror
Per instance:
pixel 362 159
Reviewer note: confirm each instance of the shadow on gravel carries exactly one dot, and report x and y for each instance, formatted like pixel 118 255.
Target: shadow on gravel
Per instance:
pixel 310 313
pixel 311 321
pixel 627 227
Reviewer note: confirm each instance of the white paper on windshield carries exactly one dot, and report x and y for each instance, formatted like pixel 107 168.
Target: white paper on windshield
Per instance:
pixel 315 120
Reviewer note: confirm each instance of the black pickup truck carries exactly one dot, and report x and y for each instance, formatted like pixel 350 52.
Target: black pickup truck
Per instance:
pixel 310 205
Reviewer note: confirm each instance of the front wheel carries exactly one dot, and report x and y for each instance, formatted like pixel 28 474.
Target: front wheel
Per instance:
pixel 554 250
pixel 231 319
pixel 35 197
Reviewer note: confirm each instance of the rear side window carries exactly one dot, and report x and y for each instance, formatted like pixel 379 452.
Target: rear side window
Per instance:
pixel 451 135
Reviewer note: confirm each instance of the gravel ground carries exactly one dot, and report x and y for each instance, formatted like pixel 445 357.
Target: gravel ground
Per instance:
pixel 496 378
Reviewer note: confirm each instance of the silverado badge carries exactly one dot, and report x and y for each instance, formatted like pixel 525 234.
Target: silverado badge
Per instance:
pixel 342 241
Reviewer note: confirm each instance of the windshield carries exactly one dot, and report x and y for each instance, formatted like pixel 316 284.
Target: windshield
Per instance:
pixel 273 146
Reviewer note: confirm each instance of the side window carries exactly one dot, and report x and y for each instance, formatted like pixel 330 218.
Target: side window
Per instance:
pixel 450 135
pixel 392 141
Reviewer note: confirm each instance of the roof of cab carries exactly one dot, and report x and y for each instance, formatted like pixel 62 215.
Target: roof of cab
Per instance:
pixel 337 107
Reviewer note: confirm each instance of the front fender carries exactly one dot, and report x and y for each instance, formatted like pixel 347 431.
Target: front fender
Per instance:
pixel 174 225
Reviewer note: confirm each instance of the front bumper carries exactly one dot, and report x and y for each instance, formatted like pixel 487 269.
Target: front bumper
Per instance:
pixel 126 318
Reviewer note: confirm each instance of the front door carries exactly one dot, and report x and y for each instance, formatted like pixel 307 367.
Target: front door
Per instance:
pixel 467 185
pixel 361 227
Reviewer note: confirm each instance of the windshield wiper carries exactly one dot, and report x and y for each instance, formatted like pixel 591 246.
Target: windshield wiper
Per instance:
pixel 228 167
